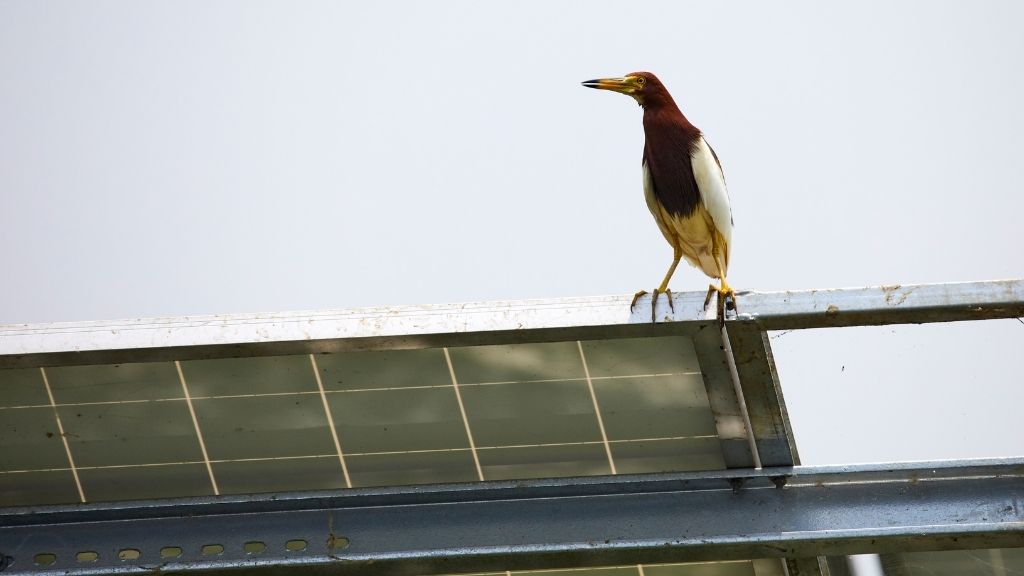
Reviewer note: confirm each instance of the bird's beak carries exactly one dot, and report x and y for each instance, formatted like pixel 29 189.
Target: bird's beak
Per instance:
pixel 622 85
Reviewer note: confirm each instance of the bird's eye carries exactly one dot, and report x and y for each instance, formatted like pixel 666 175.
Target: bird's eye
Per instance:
pixel 641 80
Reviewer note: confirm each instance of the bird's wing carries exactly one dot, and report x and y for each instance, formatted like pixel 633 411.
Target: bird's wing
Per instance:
pixel 671 172
pixel 713 194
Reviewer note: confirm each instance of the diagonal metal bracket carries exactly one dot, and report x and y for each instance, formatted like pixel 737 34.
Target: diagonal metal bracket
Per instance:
pixel 730 415
pixel 759 380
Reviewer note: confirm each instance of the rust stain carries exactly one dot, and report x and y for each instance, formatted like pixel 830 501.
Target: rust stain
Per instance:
pixel 832 310
pixel 892 293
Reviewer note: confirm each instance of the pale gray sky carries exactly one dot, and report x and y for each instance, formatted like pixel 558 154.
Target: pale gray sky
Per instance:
pixel 190 157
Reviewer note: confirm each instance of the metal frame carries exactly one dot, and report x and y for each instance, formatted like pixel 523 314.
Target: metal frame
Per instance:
pixel 193 337
pixel 742 513
pixel 535 524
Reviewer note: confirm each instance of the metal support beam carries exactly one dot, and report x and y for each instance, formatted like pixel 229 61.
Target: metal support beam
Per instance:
pixel 730 421
pixel 763 395
pixel 750 414
pixel 536 524
pixel 223 336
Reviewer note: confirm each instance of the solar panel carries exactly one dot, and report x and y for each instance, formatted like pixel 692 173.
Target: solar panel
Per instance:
pixel 143 409
pixel 996 561
pixel 353 419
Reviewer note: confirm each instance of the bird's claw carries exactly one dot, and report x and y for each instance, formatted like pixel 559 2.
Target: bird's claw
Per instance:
pixel 712 289
pixel 654 302
pixel 726 301
pixel 635 298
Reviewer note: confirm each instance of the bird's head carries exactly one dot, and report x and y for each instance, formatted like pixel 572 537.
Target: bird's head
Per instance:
pixel 644 87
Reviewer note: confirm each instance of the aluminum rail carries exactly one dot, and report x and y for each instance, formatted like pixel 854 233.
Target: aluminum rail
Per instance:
pixel 535 524
pixel 194 337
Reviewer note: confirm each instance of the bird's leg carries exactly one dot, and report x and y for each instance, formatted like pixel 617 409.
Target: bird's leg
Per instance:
pixel 721 292
pixel 728 293
pixel 719 302
pixel 677 254
pixel 725 292
pixel 663 289
pixel 721 305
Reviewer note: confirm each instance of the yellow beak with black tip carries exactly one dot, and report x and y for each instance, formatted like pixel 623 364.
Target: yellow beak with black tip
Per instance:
pixel 626 85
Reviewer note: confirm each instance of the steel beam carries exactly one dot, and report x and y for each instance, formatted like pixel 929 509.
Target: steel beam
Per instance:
pixel 762 393
pixel 536 524
pixel 730 423
pixel 233 335
pixel 761 396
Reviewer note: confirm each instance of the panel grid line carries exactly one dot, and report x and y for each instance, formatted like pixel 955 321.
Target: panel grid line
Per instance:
pixel 597 408
pixel 63 437
pixel 349 391
pixel 547 380
pixel 360 454
pixel 330 421
pixel 462 411
pixel 199 432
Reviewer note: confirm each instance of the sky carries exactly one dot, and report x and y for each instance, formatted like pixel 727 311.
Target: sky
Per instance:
pixel 195 157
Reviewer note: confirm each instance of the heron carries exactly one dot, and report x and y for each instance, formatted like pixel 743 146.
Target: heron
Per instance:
pixel 684 187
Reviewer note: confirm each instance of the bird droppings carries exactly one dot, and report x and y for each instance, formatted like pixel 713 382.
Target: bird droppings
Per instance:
pixel 832 310
pixel 891 293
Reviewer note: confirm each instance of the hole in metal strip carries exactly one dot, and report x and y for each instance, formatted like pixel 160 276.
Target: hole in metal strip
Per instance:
pixel 254 547
pixel 296 545
pixel 126 554
pixel 212 549
pixel 337 542
pixel 44 559
pixel 87 556
pixel 170 552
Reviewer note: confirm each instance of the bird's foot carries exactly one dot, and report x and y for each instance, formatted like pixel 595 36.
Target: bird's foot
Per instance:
pixel 635 298
pixel 654 302
pixel 712 289
pixel 726 300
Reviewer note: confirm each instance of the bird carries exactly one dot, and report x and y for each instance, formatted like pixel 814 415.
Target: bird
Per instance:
pixel 684 186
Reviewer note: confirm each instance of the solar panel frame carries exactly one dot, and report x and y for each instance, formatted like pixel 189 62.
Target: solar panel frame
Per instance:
pixel 471 324
pixel 180 341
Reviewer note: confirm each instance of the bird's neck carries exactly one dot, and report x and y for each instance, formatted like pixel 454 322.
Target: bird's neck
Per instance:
pixel 667 117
